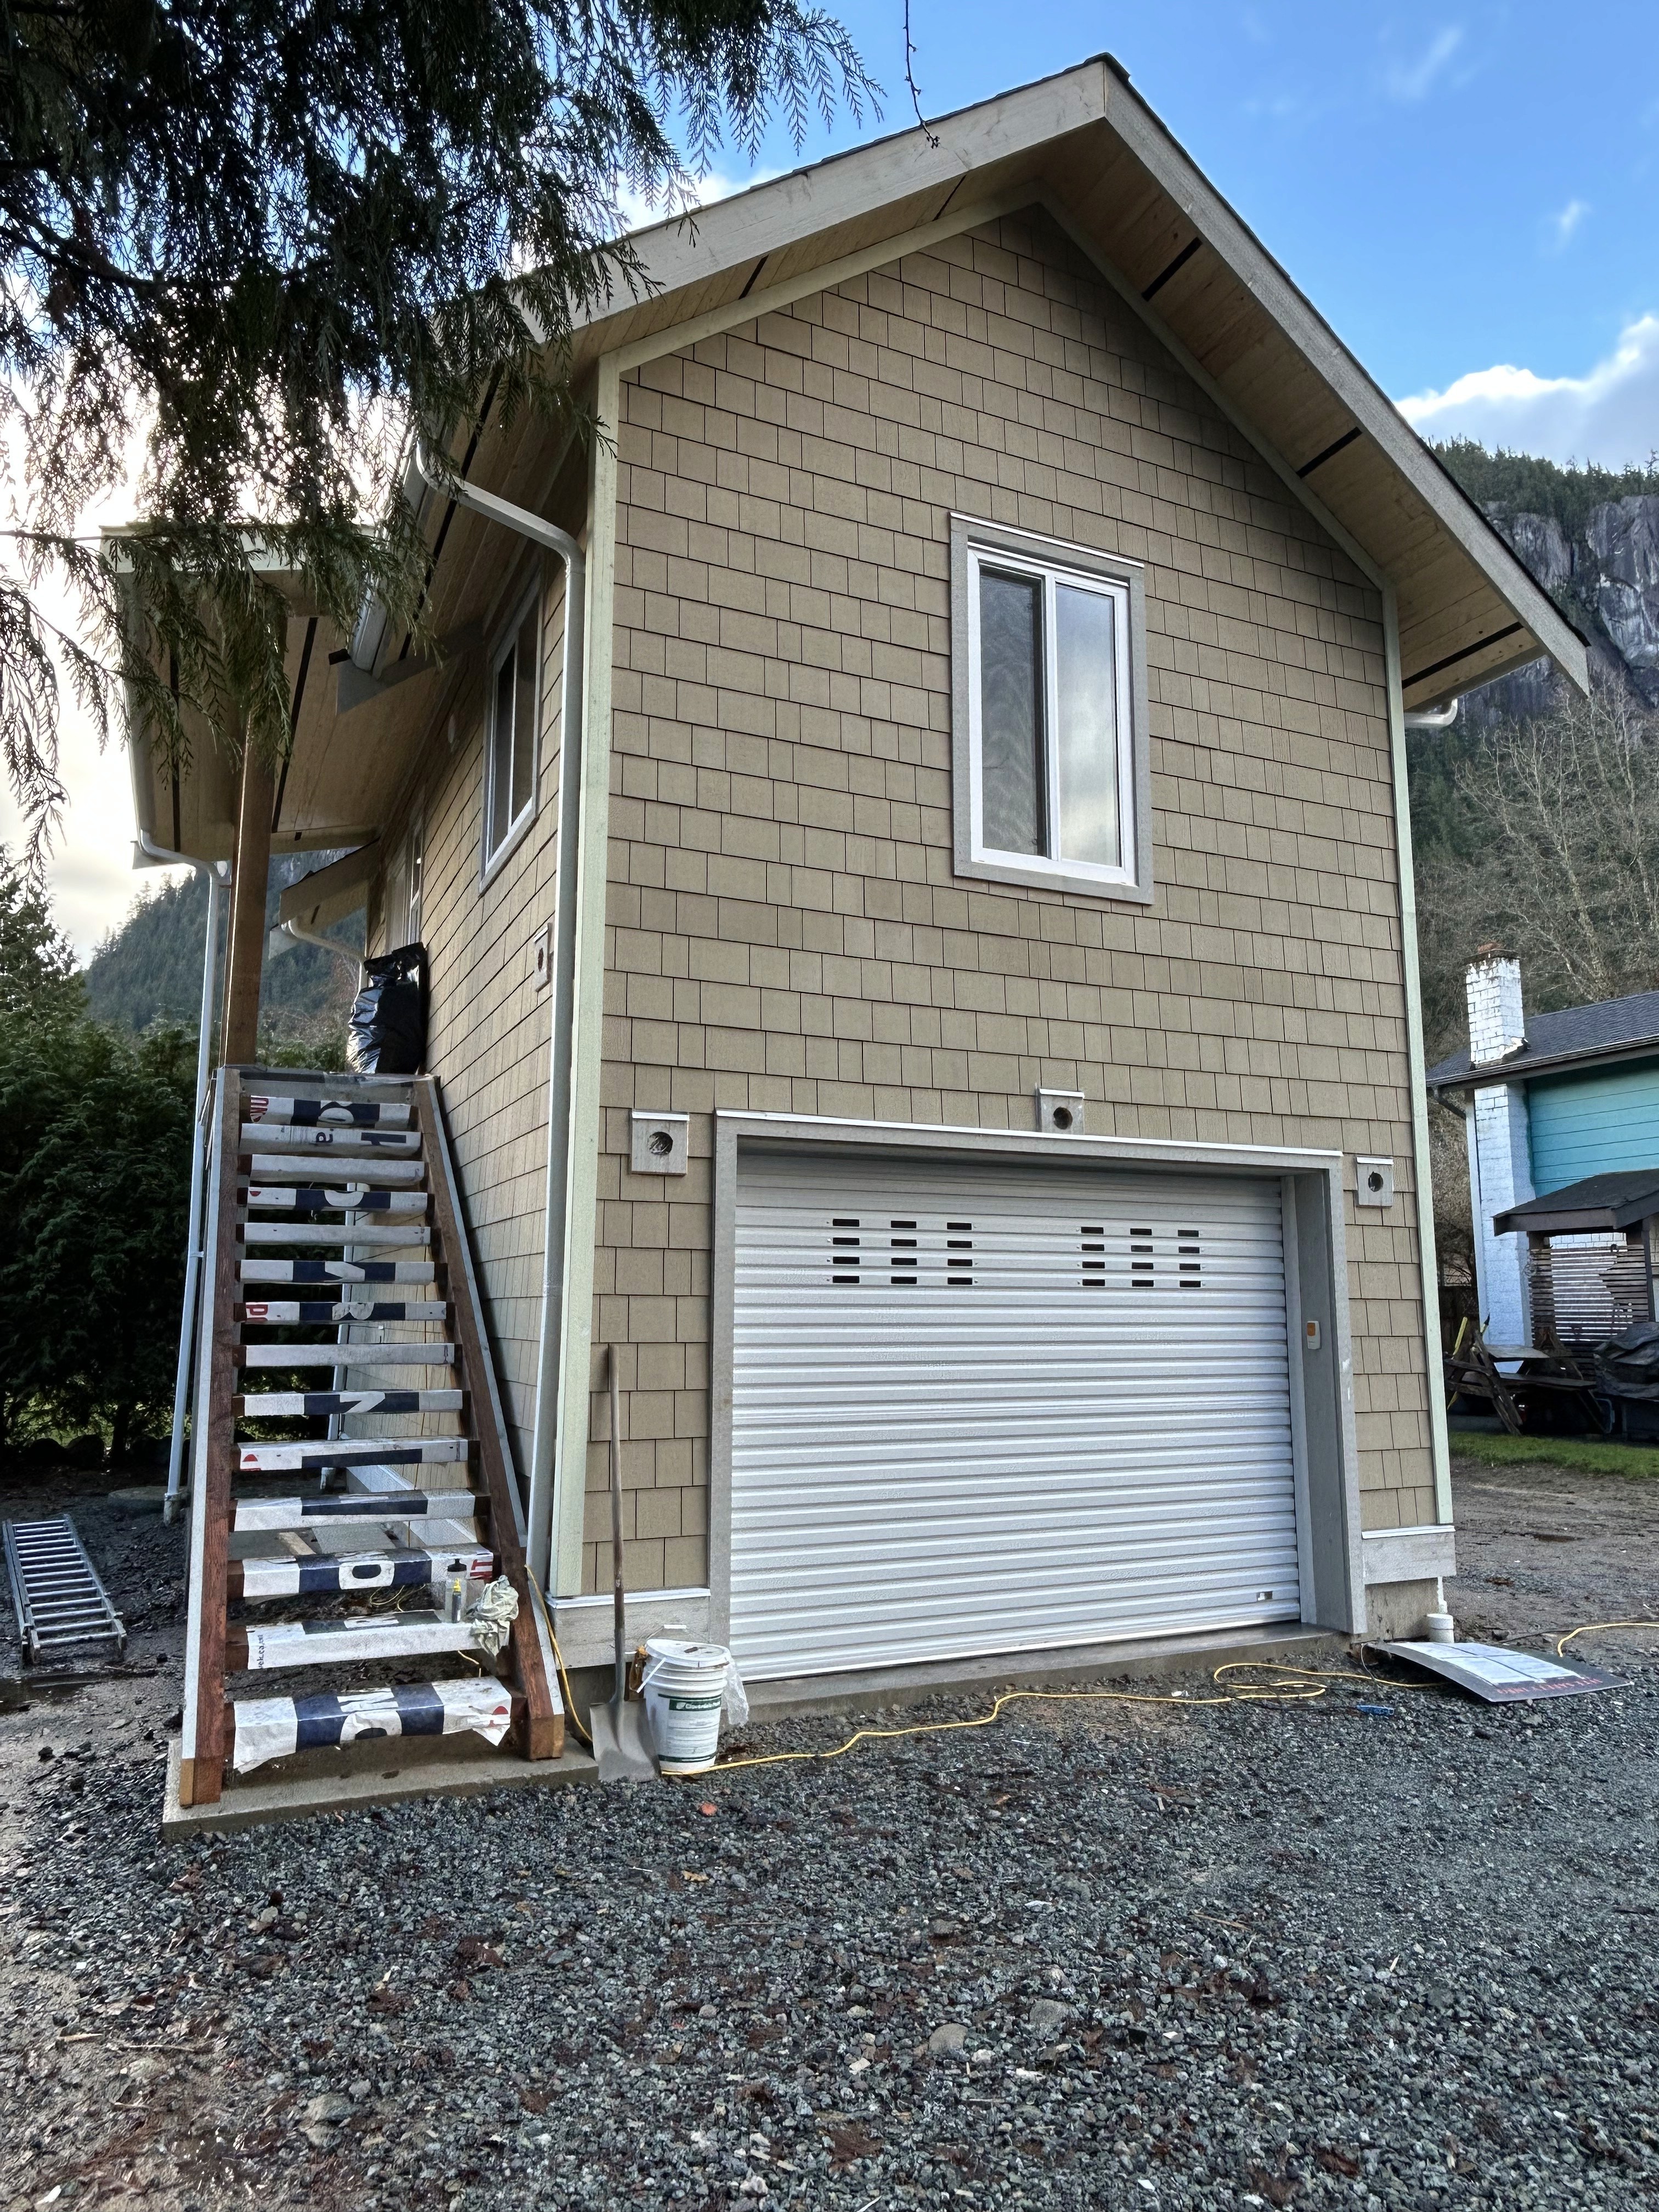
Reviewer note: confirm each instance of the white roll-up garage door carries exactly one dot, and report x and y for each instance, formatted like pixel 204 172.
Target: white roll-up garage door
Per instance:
pixel 988 1409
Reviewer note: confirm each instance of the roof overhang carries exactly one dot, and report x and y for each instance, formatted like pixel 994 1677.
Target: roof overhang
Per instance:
pixel 1598 1202
pixel 1515 1070
pixel 1085 147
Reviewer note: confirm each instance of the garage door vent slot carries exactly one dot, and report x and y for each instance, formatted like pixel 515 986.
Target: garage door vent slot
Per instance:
pixel 844 1253
pixel 959 1256
pixel 1094 1257
pixel 902 1269
pixel 1190 1265
pixel 1141 1276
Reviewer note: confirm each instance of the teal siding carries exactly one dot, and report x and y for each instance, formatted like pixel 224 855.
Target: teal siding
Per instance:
pixel 1586 1125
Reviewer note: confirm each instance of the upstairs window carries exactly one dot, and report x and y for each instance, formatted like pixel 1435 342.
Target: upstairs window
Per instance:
pixel 511 740
pixel 1050 740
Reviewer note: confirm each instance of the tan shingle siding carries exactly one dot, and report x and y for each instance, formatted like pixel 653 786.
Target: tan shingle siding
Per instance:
pixel 786 930
pixel 489 1039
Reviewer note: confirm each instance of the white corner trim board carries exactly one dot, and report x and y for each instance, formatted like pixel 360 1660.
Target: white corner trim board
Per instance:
pixel 1416 1063
pixel 558 1474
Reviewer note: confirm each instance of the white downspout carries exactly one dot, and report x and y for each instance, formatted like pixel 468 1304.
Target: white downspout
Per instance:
pixel 301 935
pixel 538 1506
pixel 218 873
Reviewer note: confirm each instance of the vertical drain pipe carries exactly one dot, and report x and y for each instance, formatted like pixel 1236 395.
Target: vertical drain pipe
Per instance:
pixel 218 875
pixel 538 1505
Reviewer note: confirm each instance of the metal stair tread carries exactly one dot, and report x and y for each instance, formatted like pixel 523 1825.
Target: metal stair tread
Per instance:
pixel 300 1167
pixel 321 1506
pixel 395 1566
pixel 321 1642
pixel 337 1271
pixel 326 1232
pixel 311 1454
pixel 349 1354
pixel 280 1109
pixel 345 1143
pixel 333 1197
pixel 294 1405
pixel 273 1727
pixel 304 1313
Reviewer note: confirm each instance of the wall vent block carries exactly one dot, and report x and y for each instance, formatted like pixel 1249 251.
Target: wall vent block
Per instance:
pixel 1060 1112
pixel 661 1143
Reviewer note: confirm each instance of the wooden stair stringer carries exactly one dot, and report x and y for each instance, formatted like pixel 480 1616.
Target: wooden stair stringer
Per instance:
pixel 542 1726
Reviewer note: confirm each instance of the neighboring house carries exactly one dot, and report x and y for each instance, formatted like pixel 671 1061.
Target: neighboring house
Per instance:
pixel 925 967
pixel 1562 1112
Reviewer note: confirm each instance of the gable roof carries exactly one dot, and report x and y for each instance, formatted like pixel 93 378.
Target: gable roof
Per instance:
pixel 1085 147
pixel 1092 152
pixel 1613 1028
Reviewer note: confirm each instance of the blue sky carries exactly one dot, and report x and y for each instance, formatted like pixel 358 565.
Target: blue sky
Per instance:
pixel 1467 194
pixel 1459 191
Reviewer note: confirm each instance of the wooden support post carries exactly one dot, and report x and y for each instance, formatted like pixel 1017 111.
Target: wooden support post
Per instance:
pixel 244 960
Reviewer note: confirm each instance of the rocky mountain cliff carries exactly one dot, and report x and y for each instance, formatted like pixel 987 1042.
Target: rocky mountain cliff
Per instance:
pixel 1591 539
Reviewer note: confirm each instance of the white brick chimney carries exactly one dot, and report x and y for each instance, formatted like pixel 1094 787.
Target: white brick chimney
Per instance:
pixel 1498 1026
pixel 1500 1158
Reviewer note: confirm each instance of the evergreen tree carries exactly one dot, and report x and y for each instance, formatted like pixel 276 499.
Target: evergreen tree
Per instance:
pixel 285 234
pixel 94 1177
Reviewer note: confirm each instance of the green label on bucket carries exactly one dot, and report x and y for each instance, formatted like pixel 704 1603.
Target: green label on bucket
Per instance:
pixel 691 1704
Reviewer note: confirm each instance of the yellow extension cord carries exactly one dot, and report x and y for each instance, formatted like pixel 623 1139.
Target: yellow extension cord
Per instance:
pixel 1304 1686
pixel 1305 1683
pixel 1590 1627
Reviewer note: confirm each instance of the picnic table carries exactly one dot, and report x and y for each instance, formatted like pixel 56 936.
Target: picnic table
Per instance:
pixel 1539 1376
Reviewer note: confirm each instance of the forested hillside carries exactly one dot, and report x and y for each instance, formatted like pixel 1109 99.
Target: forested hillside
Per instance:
pixel 1536 821
pixel 149 969
pixel 1535 816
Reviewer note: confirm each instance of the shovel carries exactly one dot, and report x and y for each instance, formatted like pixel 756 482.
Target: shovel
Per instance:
pixel 622 1741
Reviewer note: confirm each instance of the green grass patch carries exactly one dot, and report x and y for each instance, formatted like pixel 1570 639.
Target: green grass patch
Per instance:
pixel 1590 1455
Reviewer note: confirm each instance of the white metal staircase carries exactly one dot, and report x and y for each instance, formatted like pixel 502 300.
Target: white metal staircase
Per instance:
pixel 341 1292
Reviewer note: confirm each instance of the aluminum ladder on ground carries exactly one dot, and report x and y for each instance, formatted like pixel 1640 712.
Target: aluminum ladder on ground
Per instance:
pixel 55 1588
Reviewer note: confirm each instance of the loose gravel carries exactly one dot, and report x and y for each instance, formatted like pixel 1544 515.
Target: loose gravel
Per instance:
pixel 1098 1955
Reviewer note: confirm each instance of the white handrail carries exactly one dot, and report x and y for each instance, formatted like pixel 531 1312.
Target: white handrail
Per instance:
pixel 218 873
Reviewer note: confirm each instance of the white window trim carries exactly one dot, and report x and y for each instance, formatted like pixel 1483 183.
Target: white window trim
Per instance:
pixel 1024 551
pixel 490 864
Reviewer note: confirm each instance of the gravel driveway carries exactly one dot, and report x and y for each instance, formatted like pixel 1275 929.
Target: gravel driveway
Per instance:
pixel 1098 1955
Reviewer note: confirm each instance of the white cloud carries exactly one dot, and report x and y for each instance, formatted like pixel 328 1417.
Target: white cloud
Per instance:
pixel 89 869
pixel 1562 226
pixel 639 212
pixel 1415 80
pixel 1610 416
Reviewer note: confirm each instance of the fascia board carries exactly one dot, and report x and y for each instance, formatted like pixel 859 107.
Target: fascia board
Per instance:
pixel 769 218
pixel 1560 1063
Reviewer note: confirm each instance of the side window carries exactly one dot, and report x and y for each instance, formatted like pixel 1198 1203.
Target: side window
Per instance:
pixel 1050 747
pixel 510 743
pixel 416 871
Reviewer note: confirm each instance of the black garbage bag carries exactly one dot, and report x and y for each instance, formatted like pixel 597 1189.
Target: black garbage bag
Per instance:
pixel 1628 1364
pixel 387 1031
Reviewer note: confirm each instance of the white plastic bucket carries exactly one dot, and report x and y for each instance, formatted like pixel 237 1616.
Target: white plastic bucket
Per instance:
pixel 684 1687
